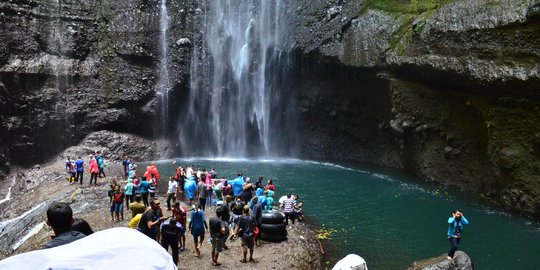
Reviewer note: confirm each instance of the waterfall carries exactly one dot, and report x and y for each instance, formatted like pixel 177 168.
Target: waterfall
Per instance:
pixel 163 85
pixel 235 108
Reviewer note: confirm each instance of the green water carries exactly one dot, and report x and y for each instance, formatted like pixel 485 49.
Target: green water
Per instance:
pixel 390 219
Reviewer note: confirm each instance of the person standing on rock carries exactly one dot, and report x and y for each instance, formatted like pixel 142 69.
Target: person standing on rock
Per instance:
pixel 153 186
pixel 180 214
pixel 79 163
pixel 94 170
pixel 171 192
pixel 455 229
pixel 245 229
pixel 209 189
pixel 101 164
pixel 150 221
pixel 129 188
pixel 71 170
pixel 288 209
pixel 125 165
pixel 118 203
pixel 144 187
pixel 201 193
pixel 190 187
pixel 171 231
pixel 226 217
pixel 217 233
pixel 257 214
pixel 137 207
pixel 197 224
pixel 237 208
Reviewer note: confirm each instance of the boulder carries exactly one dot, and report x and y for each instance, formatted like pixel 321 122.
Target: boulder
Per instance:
pixel 461 261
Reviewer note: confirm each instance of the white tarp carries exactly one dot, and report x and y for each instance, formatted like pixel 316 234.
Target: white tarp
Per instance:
pixel 116 248
pixel 351 262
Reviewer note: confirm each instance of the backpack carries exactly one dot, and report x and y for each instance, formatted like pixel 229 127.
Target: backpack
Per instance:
pixel 117 197
pixel 101 162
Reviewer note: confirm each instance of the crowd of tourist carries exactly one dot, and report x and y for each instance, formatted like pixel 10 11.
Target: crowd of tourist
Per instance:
pixel 238 204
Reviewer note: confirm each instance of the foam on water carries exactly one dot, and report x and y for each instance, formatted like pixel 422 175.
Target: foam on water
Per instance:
pixel 382 176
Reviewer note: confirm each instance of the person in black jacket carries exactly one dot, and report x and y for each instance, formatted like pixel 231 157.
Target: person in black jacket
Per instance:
pixel 60 218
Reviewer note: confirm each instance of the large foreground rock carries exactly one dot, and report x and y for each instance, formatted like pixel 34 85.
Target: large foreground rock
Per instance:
pixel 461 261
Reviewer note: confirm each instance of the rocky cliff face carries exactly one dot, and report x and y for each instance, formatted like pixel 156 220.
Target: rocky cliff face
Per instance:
pixel 445 89
pixel 68 68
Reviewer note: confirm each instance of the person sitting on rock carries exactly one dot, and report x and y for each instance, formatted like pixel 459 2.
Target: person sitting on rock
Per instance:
pixel 60 218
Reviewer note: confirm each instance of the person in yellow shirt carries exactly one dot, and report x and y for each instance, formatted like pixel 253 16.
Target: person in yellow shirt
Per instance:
pixel 137 207
pixel 134 222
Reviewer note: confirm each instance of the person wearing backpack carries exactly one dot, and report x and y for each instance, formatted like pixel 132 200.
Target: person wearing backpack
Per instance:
pixel 246 230
pixel 101 164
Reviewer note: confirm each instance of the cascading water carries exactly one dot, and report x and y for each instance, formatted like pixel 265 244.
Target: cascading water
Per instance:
pixel 163 85
pixel 238 71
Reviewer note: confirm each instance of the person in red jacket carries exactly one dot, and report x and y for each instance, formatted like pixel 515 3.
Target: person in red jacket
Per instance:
pixel 93 169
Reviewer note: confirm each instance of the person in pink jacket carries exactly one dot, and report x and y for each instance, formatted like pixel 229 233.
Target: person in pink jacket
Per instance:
pixel 209 189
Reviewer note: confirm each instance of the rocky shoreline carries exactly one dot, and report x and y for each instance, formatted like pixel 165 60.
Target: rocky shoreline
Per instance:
pixel 22 227
pixel 35 188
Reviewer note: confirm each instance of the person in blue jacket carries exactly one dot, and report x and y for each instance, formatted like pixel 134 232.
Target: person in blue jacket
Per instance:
pixel 190 187
pixel 238 185
pixel 455 230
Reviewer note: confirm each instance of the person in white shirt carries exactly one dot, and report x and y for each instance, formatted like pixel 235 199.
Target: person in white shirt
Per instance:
pixel 171 192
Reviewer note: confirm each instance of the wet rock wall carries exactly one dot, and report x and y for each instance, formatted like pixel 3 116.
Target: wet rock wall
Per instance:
pixel 68 68
pixel 446 89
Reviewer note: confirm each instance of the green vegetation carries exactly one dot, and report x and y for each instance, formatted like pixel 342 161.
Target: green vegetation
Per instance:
pixel 324 233
pixel 407 11
pixel 405 6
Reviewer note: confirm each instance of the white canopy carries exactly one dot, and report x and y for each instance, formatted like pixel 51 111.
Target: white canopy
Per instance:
pixel 116 248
